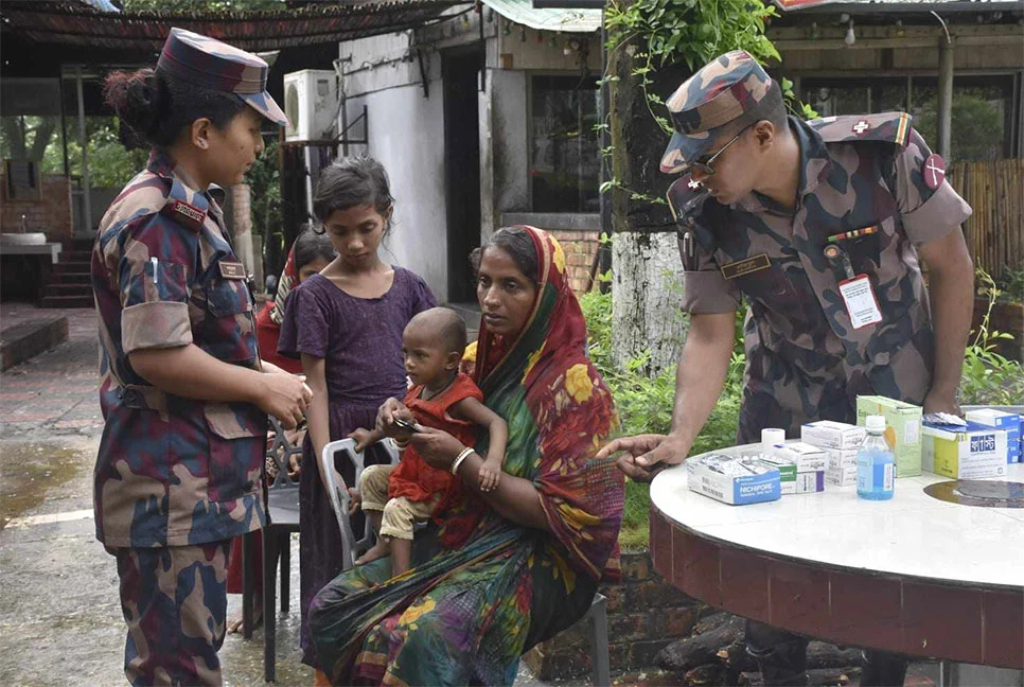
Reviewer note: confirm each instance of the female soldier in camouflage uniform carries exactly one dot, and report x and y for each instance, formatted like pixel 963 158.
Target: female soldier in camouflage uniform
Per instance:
pixel 183 392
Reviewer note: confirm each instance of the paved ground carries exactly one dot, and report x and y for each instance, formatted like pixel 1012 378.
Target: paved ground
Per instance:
pixel 60 619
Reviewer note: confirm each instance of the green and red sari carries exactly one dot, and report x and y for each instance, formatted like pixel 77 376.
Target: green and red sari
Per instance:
pixel 484 590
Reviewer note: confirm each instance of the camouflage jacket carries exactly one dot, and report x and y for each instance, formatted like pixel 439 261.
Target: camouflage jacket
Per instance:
pixel 862 189
pixel 172 471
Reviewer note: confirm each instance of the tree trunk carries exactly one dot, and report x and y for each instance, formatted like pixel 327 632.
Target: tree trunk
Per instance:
pixel 646 283
pixel 646 291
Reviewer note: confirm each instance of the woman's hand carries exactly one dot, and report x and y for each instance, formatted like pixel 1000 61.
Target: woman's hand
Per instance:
pixel 436 446
pixel 386 415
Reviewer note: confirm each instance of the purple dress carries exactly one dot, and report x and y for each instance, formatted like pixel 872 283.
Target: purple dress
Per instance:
pixel 360 340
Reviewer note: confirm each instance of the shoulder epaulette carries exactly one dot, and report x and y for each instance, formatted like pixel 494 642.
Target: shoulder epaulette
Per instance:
pixel 185 206
pixel 887 127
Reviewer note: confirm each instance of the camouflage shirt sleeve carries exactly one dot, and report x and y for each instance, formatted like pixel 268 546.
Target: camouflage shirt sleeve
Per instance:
pixel 705 290
pixel 153 274
pixel 927 214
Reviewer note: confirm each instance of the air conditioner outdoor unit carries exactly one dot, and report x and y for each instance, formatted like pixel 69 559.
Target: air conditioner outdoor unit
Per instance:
pixel 311 103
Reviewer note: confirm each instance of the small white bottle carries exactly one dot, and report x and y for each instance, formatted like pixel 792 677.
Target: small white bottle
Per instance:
pixel 770 438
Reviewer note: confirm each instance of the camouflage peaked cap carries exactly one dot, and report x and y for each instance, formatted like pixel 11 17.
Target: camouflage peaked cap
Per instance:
pixel 732 88
pixel 209 63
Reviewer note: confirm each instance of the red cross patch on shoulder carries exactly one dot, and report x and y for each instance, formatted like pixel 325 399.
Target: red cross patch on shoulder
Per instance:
pixel 934 171
pixel 860 127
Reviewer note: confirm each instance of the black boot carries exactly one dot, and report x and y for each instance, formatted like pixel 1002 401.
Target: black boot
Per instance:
pixel 882 669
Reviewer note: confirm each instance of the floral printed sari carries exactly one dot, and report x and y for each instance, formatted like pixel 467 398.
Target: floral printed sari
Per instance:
pixel 483 590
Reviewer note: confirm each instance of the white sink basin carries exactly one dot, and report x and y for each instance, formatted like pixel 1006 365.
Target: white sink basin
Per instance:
pixel 31 239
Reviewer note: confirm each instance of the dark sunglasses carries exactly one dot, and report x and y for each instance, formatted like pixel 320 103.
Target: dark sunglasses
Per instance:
pixel 703 163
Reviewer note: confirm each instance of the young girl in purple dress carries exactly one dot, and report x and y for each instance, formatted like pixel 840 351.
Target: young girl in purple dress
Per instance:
pixel 346 324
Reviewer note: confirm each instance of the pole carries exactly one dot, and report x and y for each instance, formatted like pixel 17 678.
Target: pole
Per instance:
pixel 945 119
pixel 605 141
pixel 86 186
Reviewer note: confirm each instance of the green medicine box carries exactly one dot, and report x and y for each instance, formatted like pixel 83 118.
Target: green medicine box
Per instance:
pixel 902 430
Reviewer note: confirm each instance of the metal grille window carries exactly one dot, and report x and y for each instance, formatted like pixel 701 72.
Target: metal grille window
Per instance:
pixel 565 155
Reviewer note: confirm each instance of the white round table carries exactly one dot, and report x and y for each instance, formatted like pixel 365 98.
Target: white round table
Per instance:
pixel 914 575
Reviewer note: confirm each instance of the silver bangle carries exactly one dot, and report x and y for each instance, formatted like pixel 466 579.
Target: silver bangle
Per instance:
pixel 458 459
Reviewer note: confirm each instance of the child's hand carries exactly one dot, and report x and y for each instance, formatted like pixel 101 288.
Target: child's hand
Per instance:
pixel 363 437
pixel 490 474
pixel 355 503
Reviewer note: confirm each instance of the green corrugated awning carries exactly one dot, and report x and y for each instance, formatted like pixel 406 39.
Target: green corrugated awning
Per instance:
pixel 547 19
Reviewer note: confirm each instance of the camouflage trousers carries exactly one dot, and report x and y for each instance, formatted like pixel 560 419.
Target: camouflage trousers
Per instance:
pixel 174 600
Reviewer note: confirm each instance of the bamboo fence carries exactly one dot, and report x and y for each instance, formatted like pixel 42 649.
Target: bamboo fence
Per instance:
pixel 995 232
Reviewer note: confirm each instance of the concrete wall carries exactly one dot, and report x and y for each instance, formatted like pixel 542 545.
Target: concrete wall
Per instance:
pixel 406 134
pixel 406 129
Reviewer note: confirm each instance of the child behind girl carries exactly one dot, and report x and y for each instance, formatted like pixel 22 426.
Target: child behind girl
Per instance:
pixel 397 498
pixel 346 324
pixel 310 253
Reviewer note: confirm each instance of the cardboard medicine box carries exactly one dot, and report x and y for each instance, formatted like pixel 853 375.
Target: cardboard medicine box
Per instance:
pixel 791 481
pixel 1010 422
pixel 972 452
pixel 807 458
pixel 841 459
pixel 902 430
pixel 732 479
pixel 841 476
pixel 833 435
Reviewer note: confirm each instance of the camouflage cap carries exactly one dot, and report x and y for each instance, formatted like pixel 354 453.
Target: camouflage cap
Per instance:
pixel 731 91
pixel 209 63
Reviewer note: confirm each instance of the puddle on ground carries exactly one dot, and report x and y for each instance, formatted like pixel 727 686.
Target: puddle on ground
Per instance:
pixel 32 470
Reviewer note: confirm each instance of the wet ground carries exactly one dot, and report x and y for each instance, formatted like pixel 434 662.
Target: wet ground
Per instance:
pixel 60 618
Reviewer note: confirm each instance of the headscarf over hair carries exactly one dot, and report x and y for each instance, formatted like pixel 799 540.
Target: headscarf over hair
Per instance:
pixel 559 413
pixel 289 278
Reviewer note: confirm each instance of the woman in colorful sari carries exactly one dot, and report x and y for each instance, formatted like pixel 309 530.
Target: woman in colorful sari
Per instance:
pixel 505 569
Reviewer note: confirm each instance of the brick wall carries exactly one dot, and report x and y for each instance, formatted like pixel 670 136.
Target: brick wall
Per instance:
pixel 580 248
pixel 51 214
pixel 645 613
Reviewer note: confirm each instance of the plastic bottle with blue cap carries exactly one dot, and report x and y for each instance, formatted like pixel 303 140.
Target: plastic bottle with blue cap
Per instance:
pixel 876 465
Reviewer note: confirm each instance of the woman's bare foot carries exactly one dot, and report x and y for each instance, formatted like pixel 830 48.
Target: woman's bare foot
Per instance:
pixel 378 550
pixel 235 621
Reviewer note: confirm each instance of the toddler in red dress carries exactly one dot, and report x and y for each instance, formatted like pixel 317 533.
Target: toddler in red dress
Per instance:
pixel 395 498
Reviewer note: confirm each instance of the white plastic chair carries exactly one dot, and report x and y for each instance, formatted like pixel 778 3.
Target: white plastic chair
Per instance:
pixel 351 548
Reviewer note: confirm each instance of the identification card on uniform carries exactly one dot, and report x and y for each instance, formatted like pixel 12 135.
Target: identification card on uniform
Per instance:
pixel 861 304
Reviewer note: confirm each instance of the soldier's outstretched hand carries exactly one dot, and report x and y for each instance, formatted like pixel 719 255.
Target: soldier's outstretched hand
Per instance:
pixel 285 396
pixel 645 455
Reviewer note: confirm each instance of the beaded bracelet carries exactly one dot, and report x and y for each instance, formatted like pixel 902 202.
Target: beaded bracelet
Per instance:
pixel 458 459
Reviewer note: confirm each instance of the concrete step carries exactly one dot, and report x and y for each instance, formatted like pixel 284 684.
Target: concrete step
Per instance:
pixel 59 288
pixel 23 341
pixel 72 278
pixel 67 302
pixel 72 267
pixel 76 256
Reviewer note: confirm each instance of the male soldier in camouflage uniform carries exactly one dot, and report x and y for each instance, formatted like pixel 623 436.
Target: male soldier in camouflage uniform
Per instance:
pixel 183 392
pixel 819 226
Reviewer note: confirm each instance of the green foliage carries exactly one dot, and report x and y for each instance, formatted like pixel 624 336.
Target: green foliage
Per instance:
pixel 1010 286
pixel 264 179
pixel 988 378
pixel 977 124
pixel 645 405
pixel 692 32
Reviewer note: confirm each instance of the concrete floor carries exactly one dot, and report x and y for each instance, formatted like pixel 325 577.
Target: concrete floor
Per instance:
pixel 60 618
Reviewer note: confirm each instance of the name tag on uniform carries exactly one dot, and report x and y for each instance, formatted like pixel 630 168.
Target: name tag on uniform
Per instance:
pixel 232 270
pixel 861 304
pixel 742 268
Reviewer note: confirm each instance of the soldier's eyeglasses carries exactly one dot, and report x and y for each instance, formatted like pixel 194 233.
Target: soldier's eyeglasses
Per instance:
pixel 703 163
